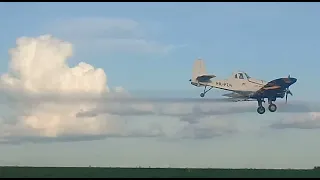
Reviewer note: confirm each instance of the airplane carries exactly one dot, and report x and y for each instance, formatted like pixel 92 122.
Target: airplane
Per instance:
pixel 243 87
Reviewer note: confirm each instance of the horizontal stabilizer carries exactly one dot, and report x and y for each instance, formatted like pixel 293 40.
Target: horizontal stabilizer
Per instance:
pixel 204 78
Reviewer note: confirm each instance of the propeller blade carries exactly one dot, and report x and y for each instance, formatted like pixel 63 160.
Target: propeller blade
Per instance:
pixel 288 92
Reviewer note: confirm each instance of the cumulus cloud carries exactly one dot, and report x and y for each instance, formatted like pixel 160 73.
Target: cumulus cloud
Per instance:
pixel 109 35
pixel 38 65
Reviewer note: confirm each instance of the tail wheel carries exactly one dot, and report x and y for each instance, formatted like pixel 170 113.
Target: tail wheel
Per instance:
pixel 261 110
pixel 202 95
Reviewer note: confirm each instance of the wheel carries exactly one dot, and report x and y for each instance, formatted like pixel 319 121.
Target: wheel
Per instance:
pixel 272 107
pixel 202 95
pixel 261 110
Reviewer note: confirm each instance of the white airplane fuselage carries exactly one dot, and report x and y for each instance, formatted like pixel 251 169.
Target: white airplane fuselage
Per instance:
pixel 233 84
pixel 240 87
pixel 240 83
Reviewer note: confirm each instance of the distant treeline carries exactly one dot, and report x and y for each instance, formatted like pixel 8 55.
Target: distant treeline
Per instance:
pixel 101 172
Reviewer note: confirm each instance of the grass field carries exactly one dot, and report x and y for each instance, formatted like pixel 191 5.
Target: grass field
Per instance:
pixel 93 172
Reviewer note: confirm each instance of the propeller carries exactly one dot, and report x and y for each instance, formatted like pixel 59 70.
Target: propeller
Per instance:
pixel 288 92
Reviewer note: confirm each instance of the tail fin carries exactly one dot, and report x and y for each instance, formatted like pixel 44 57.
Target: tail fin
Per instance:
pixel 199 72
pixel 199 69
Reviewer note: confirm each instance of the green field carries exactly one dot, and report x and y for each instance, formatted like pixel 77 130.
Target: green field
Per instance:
pixel 93 172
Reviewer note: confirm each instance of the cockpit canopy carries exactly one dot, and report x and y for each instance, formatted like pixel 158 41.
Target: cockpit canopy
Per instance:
pixel 241 75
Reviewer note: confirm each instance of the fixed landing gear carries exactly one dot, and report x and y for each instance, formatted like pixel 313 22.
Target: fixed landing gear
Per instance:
pixel 205 91
pixel 261 110
pixel 272 107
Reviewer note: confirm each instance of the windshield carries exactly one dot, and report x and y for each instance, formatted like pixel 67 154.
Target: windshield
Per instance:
pixel 247 75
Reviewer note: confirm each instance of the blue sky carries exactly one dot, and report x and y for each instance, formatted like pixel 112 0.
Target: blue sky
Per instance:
pixel 267 40
pixel 283 37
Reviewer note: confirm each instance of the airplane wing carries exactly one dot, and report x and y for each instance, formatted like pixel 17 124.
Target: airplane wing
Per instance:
pixel 238 96
pixel 234 94
pixel 275 86
pixel 204 78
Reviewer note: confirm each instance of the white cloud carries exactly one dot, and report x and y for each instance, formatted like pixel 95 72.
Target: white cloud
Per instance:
pixel 309 120
pixel 109 35
pixel 46 97
pixel 38 65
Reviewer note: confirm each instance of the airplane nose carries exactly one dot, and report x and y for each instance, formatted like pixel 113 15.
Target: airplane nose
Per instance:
pixel 289 81
pixel 294 80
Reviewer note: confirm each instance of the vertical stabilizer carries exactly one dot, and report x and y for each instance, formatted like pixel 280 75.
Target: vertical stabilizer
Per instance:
pixel 199 69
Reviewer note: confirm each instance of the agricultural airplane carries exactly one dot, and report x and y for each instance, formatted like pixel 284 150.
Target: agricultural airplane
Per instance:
pixel 243 87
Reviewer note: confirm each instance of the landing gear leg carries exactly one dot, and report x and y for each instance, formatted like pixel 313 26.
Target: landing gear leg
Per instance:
pixel 205 91
pixel 272 107
pixel 260 109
